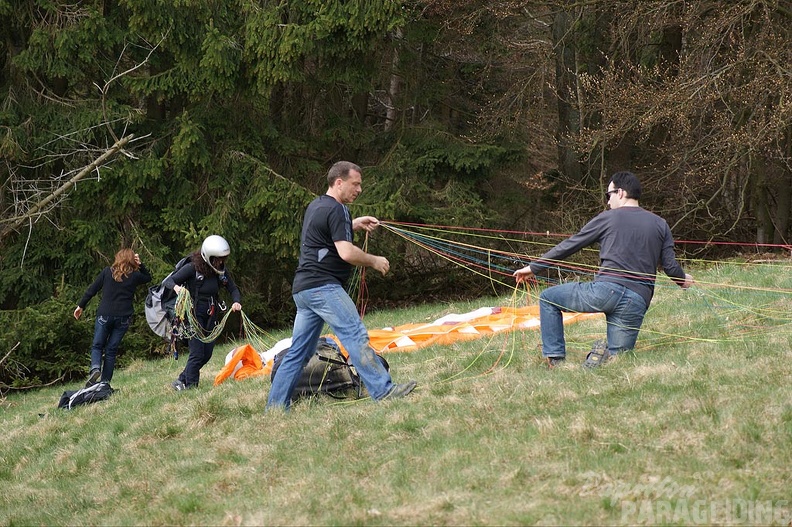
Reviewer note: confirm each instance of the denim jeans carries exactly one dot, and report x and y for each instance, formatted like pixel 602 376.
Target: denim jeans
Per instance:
pixel 624 312
pixel 331 304
pixel 108 332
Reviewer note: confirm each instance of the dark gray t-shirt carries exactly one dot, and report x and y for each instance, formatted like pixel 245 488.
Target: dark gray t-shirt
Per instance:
pixel 633 242
pixel 326 222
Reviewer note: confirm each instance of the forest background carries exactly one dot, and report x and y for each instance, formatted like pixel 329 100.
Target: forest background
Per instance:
pixel 222 117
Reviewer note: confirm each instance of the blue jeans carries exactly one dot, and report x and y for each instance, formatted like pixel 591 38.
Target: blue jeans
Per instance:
pixel 108 332
pixel 331 304
pixel 624 312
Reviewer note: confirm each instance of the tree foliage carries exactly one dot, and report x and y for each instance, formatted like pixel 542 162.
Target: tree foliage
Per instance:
pixel 461 113
pixel 698 96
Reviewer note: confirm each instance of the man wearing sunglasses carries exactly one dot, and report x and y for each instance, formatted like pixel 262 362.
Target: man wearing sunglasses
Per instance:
pixel 633 241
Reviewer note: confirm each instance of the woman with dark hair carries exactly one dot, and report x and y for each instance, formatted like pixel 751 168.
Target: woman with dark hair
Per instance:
pixel 117 283
pixel 203 277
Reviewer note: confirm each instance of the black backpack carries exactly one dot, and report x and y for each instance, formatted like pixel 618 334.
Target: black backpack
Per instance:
pixel 326 372
pixel 97 392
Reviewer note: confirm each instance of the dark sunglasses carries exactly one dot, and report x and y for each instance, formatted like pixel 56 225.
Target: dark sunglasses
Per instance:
pixel 609 192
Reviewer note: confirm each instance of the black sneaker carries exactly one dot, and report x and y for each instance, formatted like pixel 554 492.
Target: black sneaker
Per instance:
pixel 400 390
pixel 178 385
pixel 93 377
pixel 598 355
pixel 552 362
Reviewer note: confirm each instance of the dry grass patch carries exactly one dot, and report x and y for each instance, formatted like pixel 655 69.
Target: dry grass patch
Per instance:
pixel 703 403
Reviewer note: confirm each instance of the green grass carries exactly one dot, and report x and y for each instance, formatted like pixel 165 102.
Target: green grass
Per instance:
pixel 697 419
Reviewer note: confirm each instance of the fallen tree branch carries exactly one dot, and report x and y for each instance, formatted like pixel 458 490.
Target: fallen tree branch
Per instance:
pixel 15 223
pixel 10 352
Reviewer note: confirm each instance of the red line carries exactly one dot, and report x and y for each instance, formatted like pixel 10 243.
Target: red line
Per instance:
pixel 558 235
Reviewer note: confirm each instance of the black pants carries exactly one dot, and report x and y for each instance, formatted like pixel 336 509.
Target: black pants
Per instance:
pixel 200 352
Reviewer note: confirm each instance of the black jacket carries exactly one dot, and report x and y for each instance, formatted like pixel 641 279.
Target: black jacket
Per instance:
pixel 116 296
pixel 203 289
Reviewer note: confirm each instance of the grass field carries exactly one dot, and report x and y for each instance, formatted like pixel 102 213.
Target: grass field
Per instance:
pixel 693 427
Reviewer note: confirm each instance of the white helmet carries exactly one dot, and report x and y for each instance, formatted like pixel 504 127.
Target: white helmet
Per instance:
pixel 214 246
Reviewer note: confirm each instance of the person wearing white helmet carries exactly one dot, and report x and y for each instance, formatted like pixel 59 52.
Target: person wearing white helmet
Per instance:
pixel 203 277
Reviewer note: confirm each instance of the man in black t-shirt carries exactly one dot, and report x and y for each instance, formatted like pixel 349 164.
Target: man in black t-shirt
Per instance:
pixel 327 256
pixel 633 241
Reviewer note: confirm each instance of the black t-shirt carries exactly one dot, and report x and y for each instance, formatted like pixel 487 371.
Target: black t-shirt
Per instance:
pixel 326 222
pixel 633 241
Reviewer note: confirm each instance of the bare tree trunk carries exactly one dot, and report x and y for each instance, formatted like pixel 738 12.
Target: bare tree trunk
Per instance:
pixel 394 89
pixel 566 93
pixel 759 202
pixel 783 191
